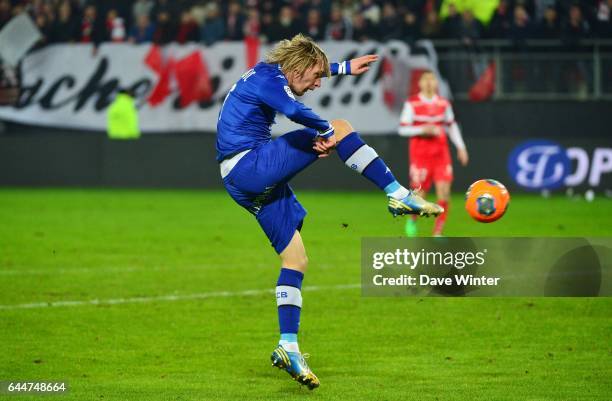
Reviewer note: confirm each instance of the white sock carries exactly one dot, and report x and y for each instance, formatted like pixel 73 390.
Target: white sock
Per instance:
pixel 289 346
pixel 399 193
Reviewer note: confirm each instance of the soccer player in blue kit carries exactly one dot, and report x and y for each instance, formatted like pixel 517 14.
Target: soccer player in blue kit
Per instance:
pixel 256 169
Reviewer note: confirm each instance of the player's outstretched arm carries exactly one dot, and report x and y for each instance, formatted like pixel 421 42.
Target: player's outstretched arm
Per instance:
pixel 361 64
pixel 356 66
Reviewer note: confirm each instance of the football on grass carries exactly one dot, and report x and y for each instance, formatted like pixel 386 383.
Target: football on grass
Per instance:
pixel 487 200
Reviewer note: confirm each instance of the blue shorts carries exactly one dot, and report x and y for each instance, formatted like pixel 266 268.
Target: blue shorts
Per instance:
pixel 259 183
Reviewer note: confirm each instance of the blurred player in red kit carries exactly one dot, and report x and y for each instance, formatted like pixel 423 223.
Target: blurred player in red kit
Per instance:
pixel 427 119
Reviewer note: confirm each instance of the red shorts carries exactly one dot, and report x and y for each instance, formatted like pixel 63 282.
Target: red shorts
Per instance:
pixel 424 171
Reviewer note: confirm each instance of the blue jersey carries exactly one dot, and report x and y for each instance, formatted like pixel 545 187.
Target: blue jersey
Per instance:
pixel 247 115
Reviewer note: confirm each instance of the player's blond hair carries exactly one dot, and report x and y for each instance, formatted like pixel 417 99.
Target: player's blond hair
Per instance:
pixel 298 54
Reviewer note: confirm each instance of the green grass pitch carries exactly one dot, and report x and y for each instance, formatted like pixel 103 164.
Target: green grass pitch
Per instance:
pixel 185 324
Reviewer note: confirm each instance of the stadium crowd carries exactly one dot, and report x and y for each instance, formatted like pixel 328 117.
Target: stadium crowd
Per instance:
pixel 164 21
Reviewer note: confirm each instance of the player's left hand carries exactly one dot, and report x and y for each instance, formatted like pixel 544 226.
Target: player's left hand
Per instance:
pixel 324 146
pixel 463 157
pixel 361 64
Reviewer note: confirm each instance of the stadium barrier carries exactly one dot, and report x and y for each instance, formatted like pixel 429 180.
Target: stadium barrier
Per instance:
pixel 571 135
pixel 535 69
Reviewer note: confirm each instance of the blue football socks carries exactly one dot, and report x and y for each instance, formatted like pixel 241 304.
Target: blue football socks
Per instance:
pixel 289 302
pixel 358 156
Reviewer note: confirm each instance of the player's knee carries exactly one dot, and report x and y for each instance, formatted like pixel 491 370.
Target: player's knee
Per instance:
pixel 341 128
pixel 297 262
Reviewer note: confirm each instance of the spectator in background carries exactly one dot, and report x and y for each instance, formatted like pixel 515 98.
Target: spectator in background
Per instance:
pixel 267 19
pixel 337 27
pixel 234 23
pixel 49 11
pixel 370 10
pixel 603 19
pixel 540 8
pixel 5 12
pixel 521 28
pixel 187 29
pixel 549 28
pixel 268 6
pixel 169 7
pixel 469 29
pixel 143 30
pixel 65 28
pixel 88 21
pixel 451 27
pixel 140 8
pixel 431 28
pixel 500 24
pixel 324 7
pixel 390 27
pixel 286 27
pixel 252 26
pixel 529 6
pixel 348 8
pixel 44 26
pixel 165 31
pixel 575 28
pixel 267 25
pixel 198 12
pixel 410 30
pixel 115 27
pixel 362 29
pixel 91 31
pixel 300 9
pixel 36 8
pixel 314 25
pixel 213 29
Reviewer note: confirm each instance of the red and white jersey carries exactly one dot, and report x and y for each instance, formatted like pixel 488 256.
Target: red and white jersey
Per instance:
pixel 419 111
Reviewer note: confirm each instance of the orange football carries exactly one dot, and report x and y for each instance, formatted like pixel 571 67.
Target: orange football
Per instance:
pixel 487 200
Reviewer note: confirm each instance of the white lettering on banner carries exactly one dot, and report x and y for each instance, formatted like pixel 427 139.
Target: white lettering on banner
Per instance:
pixel 602 163
pixel 582 166
pixel 76 94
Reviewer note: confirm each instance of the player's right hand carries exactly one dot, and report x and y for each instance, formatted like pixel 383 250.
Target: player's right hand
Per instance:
pixel 324 146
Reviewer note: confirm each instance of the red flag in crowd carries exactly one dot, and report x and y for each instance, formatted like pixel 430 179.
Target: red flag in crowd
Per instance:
pixel 251 50
pixel 484 88
pixel 193 79
pixel 191 74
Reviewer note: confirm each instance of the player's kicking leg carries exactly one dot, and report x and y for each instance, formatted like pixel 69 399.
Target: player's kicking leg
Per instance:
pixel 287 354
pixel 358 156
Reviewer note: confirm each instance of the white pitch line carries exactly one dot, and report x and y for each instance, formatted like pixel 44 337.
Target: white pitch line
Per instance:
pixel 166 298
pixel 76 270
pixel 113 269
